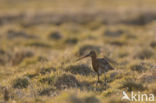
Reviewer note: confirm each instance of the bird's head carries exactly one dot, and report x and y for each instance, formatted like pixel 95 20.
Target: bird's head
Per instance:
pixel 90 54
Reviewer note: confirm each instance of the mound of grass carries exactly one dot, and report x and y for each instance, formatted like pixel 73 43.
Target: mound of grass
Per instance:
pixel 20 83
pixel 91 99
pixel 72 98
pixel 55 35
pixel 132 85
pixel 117 33
pixel 153 89
pixel 71 41
pixel 2 52
pixel 48 80
pixel 144 54
pixel 15 34
pixel 46 91
pixel 142 19
pixel 44 71
pixel 66 81
pixel 114 75
pixel 138 67
pixel 79 69
pixel 86 48
pixel 5 57
pixel 31 75
pixel 42 59
pixel 147 78
pixel 39 44
pixel 153 44
pixel 117 43
pixel 130 36
pixel 2 61
pixel 19 56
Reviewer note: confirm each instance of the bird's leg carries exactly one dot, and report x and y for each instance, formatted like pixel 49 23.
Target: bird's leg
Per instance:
pixel 98 80
pixel 105 80
pixel 98 77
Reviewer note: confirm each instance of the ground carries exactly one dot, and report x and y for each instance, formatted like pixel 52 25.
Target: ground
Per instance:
pixel 41 40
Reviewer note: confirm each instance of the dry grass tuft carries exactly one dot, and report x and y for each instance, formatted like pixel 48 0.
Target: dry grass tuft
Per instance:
pixel 46 91
pixel 144 54
pixel 19 34
pixel 147 78
pixel 138 67
pixel 81 69
pixel 20 83
pixel 76 99
pixel 55 35
pixel 2 52
pixel 71 41
pixel 39 44
pixel 132 85
pixel 19 56
pixel 48 80
pixel 66 81
pixel 91 99
pixel 117 33
pixel 117 43
pixel 44 71
pixel 153 44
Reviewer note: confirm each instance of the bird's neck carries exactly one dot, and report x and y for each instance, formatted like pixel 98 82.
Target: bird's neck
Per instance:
pixel 93 58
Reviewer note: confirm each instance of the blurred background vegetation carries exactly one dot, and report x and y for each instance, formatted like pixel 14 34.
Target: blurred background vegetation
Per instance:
pixel 41 39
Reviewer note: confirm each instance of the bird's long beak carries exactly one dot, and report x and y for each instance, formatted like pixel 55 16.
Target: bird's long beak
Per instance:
pixel 83 57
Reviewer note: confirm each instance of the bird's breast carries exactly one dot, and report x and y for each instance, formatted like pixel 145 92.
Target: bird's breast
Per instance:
pixel 95 66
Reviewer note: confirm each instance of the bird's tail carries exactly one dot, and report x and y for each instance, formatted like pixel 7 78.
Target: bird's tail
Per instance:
pixel 112 68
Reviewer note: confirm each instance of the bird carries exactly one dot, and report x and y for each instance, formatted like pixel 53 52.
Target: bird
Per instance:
pixel 100 65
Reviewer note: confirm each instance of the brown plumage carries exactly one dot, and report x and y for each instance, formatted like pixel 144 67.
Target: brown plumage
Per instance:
pixel 100 65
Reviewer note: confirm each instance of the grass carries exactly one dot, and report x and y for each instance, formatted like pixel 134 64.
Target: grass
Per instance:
pixel 40 42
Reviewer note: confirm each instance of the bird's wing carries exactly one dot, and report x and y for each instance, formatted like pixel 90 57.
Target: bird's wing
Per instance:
pixel 110 60
pixel 105 64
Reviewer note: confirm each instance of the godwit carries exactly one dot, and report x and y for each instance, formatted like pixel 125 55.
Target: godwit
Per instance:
pixel 100 65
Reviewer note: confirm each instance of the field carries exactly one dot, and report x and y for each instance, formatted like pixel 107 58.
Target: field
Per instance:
pixel 40 41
